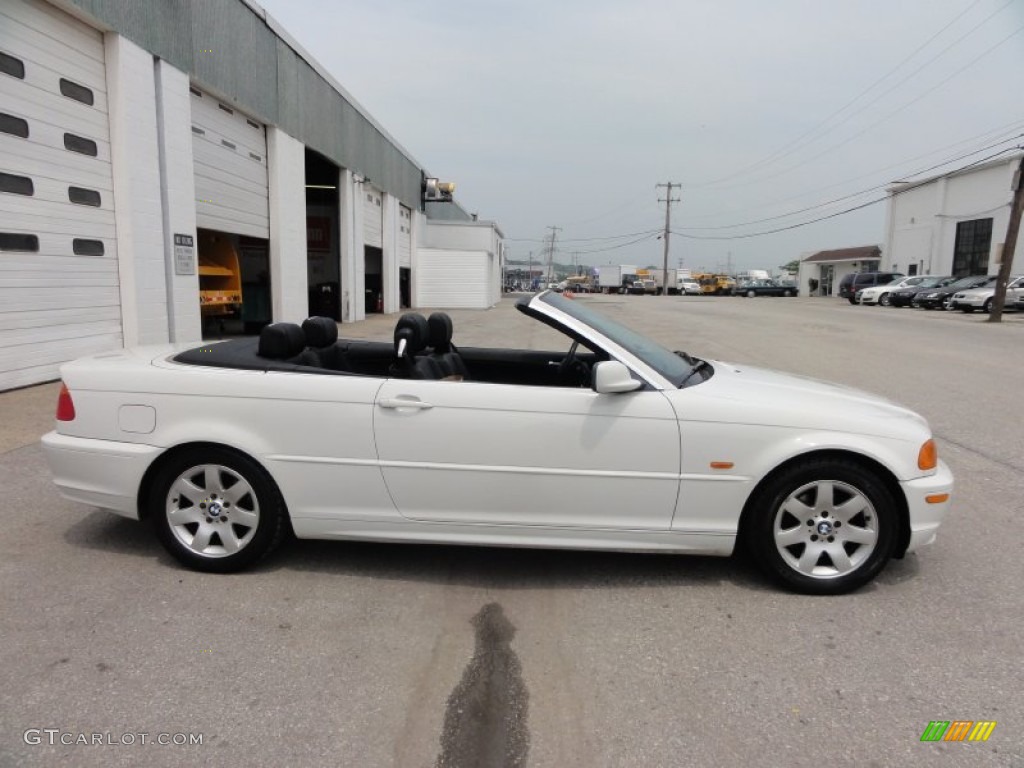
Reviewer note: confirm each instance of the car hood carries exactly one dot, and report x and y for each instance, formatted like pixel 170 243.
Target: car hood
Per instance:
pixel 990 291
pixel 752 395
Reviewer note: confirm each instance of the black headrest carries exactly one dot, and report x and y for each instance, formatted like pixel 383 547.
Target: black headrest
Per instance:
pixel 440 331
pixel 280 341
pixel 412 327
pixel 320 331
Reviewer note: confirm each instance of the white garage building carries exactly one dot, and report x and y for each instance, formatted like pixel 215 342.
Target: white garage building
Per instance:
pixel 168 165
pixel 952 224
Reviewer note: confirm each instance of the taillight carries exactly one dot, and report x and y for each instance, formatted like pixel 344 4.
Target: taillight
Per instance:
pixel 65 406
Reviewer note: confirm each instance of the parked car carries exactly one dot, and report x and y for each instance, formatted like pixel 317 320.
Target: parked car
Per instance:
pixel 855 281
pixel 971 299
pixel 905 296
pixel 752 288
pixel 624 444
pixel 690 287
pixel 880 294
pixel 938 298
pixel 645 286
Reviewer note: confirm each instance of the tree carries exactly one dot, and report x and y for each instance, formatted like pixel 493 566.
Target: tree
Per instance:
pixel 793 266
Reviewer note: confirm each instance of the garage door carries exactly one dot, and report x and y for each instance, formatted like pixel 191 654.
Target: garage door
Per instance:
pixel 454 279
pixel 404 237
pixel 230 154
pixel 373 229
pixel 59 295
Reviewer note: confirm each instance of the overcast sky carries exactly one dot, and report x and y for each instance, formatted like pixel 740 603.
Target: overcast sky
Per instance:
pixel 569 113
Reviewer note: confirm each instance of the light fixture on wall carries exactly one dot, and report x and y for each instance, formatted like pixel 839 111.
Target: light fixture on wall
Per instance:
pixel 435 191
pixel 359 178
pixel 320 186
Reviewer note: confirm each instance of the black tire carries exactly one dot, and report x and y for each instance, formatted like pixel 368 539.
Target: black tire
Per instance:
pixel 988 306
pixel 766 513
pixel 751 294
pixel 255 522
pixel 852 300
pixel 884 300
pixel 787 294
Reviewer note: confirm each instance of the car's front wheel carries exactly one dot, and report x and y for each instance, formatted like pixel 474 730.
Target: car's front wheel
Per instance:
pixel 823 526
pixel 988 306
pixel 216 510
pixel 751 294
pixel 884 300
pixel 852 300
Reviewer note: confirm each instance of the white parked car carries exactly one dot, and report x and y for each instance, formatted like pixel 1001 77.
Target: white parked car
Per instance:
pixel 690 287
pixel 621 443
pixel 981 298
pixel 879 294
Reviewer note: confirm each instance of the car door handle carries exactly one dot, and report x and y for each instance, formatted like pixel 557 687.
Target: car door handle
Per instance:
pixel 401 402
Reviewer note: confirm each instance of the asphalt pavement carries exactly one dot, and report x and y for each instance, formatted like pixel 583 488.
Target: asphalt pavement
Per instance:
pixel 394 655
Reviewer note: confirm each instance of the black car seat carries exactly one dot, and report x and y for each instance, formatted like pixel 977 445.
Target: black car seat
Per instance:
pixel 411 335
pixel 322 338
pixel 443 351
pixel 281 341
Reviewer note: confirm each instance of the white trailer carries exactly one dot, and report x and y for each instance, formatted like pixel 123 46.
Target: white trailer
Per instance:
pixel 611 278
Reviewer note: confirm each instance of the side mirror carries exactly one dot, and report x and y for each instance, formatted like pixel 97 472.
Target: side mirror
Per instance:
pixel 612 376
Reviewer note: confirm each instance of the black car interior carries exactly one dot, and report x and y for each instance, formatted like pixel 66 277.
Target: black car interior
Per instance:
pixel 422 349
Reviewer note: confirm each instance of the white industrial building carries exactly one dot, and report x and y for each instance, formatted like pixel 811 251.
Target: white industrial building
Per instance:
pixel 150 151
pixel 951 224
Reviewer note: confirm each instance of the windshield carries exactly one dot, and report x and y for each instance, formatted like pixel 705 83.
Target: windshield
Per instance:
pixel 931 282
pixel 664 361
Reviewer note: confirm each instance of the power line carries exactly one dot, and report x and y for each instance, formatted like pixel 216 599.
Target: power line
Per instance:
pixel 838 213
pixel 792 146
pixel 985 136
pixel 881 120
pixel 853 194
pixel 582 239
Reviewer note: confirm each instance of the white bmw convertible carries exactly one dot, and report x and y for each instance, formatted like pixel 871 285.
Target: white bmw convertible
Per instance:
pixel 614 443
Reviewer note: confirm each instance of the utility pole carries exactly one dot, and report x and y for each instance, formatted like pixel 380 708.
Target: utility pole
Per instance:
pixel 668 217
pixel 551 253
pixel 529 271
pixel 995 315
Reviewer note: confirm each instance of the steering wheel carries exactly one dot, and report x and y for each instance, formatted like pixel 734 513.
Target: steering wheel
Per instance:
pixel 572 369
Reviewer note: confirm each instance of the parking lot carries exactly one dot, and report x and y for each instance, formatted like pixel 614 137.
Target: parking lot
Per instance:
pixel 368 655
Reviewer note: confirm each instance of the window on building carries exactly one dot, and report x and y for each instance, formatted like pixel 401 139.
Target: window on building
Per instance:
pixel 83 247
pixel 13 241
pixel 76 91
pixel 16 185
pixel 12 66
pixel 973 243
pixel 83 196
pixel 79 144
pixel 13 125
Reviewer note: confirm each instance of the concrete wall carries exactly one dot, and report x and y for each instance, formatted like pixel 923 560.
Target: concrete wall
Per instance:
pixel 138 211
pixel 178 195
pixel 286 165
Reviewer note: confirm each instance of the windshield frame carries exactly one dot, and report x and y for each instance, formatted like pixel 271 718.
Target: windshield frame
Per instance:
pixel 660 367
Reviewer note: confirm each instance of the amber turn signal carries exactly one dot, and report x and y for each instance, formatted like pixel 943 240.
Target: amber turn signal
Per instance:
pixel 937 498
pixel 721 465
pixel 928 456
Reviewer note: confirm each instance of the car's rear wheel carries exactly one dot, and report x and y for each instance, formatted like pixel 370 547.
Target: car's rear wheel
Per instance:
pixel 216 510
pixel 823 526
pixel 884 300
pixel 988 306
pixel 751 294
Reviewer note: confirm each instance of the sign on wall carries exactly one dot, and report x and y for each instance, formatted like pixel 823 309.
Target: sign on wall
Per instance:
pixel 184 255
